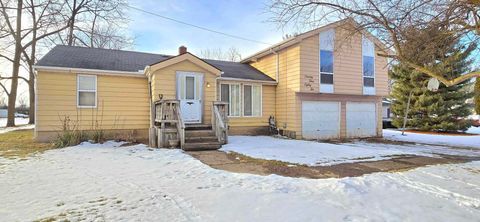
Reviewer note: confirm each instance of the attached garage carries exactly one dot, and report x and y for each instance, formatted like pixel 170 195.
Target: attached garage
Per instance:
pixel 320 120
pixel 361 119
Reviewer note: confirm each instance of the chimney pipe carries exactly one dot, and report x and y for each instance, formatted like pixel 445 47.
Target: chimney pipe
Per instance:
pixel 182 50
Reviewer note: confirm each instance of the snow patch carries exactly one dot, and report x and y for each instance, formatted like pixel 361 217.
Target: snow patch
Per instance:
pixel 106 182
pixel 456 141
pixel 20 122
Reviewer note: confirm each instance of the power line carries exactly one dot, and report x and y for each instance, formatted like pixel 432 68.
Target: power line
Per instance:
pixel 198 27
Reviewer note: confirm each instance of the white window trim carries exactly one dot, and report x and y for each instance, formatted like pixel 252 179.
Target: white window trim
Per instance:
pixel 78 91
pixel 368 90
pixel 230 97
pixel 251 95
pixel 327 88
pixel 242 99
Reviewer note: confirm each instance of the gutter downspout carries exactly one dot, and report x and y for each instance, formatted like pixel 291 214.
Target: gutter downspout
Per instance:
pixel 151 132
pixel 276 65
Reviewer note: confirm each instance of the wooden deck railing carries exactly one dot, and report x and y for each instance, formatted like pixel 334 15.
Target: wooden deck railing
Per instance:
pixel 169 124
pixel 220 121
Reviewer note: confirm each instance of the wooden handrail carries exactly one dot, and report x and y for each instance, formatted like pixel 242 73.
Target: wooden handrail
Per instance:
pixel 168 112
pixel 220 121
pixel 180 127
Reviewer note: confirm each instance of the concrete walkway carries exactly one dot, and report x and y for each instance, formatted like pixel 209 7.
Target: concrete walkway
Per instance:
pixel 238 163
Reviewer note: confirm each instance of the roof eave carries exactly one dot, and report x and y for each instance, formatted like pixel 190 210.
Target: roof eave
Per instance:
pixel 139 74
pixel 265 82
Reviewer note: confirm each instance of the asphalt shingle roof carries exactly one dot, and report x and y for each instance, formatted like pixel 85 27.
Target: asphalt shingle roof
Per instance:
pixel 119 60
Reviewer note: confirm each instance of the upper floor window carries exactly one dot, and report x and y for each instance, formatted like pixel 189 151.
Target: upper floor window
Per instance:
pixel 326 43
pixel 368 57
pixel 87 91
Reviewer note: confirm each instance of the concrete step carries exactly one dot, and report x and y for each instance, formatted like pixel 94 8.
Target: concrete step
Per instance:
pixel 201 139
pixel 202 146
pixel 198 133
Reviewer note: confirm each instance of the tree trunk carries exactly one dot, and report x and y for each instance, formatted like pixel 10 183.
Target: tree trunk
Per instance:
pixel 72 24
pixel 31 77
pixel 12 98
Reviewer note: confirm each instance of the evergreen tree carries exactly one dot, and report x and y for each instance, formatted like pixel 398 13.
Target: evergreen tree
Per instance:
pixel 445 109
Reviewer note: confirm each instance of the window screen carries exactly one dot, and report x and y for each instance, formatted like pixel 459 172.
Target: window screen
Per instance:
pixel 225 93
pixel 87 91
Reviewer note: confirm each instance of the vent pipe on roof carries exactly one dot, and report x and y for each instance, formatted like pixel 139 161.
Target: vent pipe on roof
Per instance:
pixel 182 50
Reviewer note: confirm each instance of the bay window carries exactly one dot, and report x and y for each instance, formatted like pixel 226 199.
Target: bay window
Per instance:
pixel 86 91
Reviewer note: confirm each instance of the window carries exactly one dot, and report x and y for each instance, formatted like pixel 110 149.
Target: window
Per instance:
pixel 190 87
pixel 231 93
pixel 326 67
pixel 252 97
pixel 326 42
pixel 87 91
pixel 368 57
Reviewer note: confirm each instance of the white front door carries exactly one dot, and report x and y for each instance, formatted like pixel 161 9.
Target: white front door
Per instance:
pixel 189 92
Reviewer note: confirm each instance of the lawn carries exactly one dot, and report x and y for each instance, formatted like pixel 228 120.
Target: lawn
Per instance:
pixel 314 153
pixel 20 144
pixel 108 182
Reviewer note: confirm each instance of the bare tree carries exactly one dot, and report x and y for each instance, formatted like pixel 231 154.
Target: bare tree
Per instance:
pixel 22 38
pixel 231 54
pixel 24 25
pixel 95 24
pixel 391 21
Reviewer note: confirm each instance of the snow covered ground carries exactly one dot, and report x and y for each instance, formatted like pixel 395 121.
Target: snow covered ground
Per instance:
pixel 20 122
pixel 473 130
pixel 457 141
pixel 107 182
pixel 317 153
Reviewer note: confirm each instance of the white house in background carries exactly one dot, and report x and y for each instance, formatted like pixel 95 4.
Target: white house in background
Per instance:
pixel 3 113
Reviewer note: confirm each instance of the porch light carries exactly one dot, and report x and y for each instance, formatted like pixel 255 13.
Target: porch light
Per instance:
pixel 208 85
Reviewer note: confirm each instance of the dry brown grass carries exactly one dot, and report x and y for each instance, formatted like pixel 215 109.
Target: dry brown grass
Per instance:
pixel 20 144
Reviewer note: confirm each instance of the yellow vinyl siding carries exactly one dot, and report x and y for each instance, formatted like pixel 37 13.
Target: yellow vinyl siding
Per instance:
pixel 309 65
pixel 268 107
pixel 347 65
pixel 164 81
pixel 286 110
pixel 267 65
pixel 348 68
pixel 122 102
pixel 381 76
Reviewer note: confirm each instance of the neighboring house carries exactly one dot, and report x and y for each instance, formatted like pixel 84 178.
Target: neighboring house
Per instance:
pixel 387 113
pixel 3 113
pixel 316 85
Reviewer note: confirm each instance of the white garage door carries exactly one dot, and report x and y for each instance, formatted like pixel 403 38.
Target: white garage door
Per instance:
pixel 320 120
pixel 361 119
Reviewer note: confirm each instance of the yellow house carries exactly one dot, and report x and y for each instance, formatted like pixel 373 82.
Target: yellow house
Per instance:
pixel 323 84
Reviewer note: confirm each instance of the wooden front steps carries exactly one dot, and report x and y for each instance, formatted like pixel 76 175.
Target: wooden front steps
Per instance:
pixel 168 130
pixel 200 137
